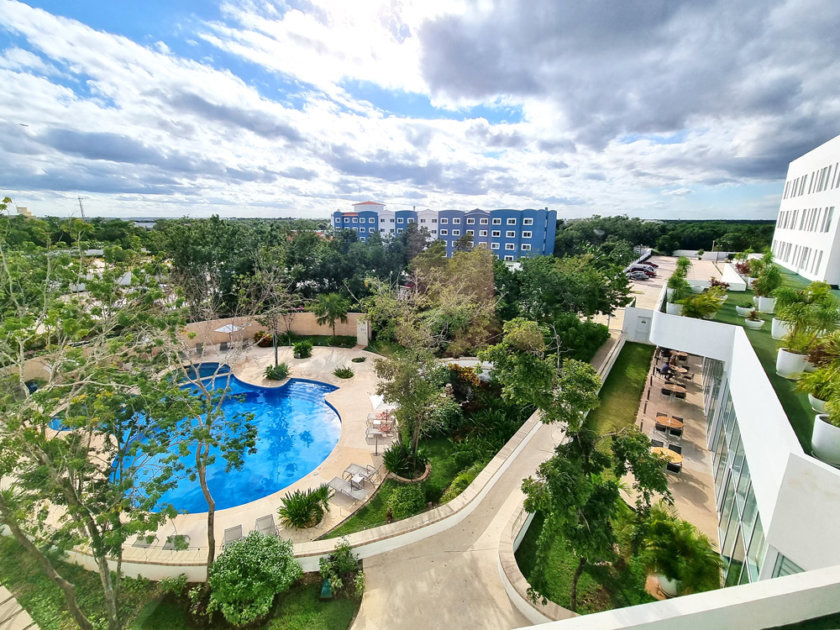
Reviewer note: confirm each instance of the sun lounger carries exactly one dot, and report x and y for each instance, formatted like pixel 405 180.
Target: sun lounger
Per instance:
pixel 356 473
pixel 265 525
pixel 343 486
pixel 177 542
pixel 232 534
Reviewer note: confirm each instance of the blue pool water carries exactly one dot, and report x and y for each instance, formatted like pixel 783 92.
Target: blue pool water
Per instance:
pixel 296 430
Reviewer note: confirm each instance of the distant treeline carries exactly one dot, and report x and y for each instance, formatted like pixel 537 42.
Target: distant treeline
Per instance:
pixel 579 235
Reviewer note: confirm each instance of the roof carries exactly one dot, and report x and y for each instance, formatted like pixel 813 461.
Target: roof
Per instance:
pixel 368 203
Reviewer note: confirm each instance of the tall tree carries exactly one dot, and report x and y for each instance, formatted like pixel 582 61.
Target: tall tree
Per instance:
pixel 331 308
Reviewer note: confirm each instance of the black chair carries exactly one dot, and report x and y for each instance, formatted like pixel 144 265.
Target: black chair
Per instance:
pixel 674 432
pixel 661 427
pixel 675 448
pixel 675 468
pixel 657 444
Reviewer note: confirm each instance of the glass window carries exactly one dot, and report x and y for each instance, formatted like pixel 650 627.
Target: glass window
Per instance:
pixel 444 221
pixel 483 221
pixel 371 220
pixel 526 234
pixel 482 232
pixel 470 221
pixel 510 234
pixel 509 258
pixel 362 229
pixel 355 220
pixel 434 220
pixel 409 220
pixel 497 221
pixel 511 221
pixel 756 552
pixel 733 557
pixel 399 230
pixel 526 247
pixel 494 246
pixel 510 246
pixel 456 232
pixel 456 221
pixel 399 220
pixel 497 233
pixel 470 232
pixel 527 222
pixel 422 220
pixel 444 232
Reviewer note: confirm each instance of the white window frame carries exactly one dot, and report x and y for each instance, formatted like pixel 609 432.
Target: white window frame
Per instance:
pixel 361 229
pixel 444 232
pixel 482 232
pixel 471 232
pixel 470 221
pixel 434 220
pixel 510 247
pixel 511 221
pixel 497 221
pixel 509 258
pixel 355 220
pixel 444 221
pixel 456 232
pixel 400 220
pixel 527 222
pixel 527 234
pixel 526 247
pixel 510 234
pixel 456 221
pixel 399 230
pixel 409 220
pixel 497 234
pixel 483 221
pixel 494 246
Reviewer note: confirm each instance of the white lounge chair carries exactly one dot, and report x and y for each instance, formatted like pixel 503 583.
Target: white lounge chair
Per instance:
pixel 265 525
pixel 344 487
pixel 232 534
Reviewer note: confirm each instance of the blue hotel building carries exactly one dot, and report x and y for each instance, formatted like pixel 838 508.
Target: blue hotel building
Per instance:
pixel 510 234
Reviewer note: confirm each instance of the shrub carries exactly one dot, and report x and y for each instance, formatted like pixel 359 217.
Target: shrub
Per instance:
pixel 462 480
pixel 175 586
pixel 262 338
pixel 407 500
pixel 358 359
pixel 248 574
pixel 302 509
pixel 343 372
pixel 277 372
pixel 342 569
pixel 302 349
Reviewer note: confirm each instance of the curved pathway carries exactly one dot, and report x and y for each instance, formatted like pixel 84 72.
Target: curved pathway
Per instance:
pixel 451 580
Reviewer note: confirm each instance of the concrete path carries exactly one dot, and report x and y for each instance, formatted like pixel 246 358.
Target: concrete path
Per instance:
pixel 451 580
pixel 12 615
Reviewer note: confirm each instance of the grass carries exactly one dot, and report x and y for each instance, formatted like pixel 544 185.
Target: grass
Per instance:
pixel 601 587
pixel 796 405
pixel 440 453
pixel 143 605
pixel 622 390
pixel 385 348
pixel 341 341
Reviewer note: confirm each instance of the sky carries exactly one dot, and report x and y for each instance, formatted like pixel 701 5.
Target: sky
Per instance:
pixel 662 109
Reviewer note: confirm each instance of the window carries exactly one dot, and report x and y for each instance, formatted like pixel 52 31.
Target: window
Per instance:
pixel 483 221
pixel 511 221
pixel 444 232
pixel 399 220
pixel 392 220
pixel 510 246
pixel 391 230
pixel 399 230
pixel 434 220
pixel 409 220
pixel 497 221
pixel 482 233
pixel 422 220
pixel 497 233
pixel 444 221
pixel 527 222
pixel 510 234
pixel 382 220
pixel 362 229
pixel 434 231
pixel 456 232
pixel 456 221
pixel 383 230
pixel 355 220
pixel 526 234
pixel 494 246
pixel 526 247
pixel 509 258
pixel 470 232
pixel 371 220
pixel 470 221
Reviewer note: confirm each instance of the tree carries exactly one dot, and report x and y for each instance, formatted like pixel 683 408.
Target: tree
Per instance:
pixel 249 574
pixel 331 308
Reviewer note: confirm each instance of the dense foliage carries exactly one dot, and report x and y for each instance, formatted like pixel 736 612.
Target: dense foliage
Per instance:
pixel 343 571
pixel 304 508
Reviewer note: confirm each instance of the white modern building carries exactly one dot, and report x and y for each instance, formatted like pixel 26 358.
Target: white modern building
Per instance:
pixel 807 240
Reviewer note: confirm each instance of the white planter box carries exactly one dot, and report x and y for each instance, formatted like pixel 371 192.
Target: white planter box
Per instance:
pixel 749 281
pixel 669 588
pixel 790 365
pixel 816 404
pixel 780 328
pixel 753 325
pixel 696 288
pixel 743 311
pixel 766 304
pixel 669 293
pixel 825 441
pixel 673 309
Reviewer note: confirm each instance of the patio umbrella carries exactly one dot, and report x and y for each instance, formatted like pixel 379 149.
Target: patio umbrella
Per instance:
pixel 228 328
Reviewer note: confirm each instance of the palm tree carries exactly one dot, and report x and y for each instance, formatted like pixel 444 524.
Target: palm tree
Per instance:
pixel 330 308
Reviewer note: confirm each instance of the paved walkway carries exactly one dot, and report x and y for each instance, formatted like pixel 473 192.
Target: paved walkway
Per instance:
pixel 12 615
pixel 451 580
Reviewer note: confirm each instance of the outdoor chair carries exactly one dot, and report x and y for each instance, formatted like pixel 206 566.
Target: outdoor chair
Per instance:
pixel 674 468
pixel 342 486
pixel 656 444
pixel 223 346
pixel 232 534
pixel 265 525
pixel 675 448
pixel 677 433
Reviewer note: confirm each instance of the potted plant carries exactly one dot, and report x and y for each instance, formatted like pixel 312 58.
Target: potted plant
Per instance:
pixel 722 286
pixel 702 306
pixel 825 438
pixel 779 328
pixel 744 309
pixel 809 314
pixel 680 290
pixel 768 281
pixel 820 385
pixel 753 321
pixel 682 558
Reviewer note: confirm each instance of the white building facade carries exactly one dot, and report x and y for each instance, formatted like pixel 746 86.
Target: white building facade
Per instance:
pixel 806 236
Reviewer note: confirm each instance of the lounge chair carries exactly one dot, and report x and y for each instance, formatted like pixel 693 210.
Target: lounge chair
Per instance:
pixel 656 444
pixel 675 468
pixel 265 525
pixel 176 542
pixel 366 473
pixel 232 534
pixel 342 486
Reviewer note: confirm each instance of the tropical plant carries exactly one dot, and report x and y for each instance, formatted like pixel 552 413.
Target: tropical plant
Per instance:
pixel 330 308
pixel 262 339
pixel 753 316
pixel 715 283
pixel 823 383
pixel 462 480
pixel 680 286
pixel 700 253
pixel 302 509
pixel 809 313
pixel 302 349
pixel 701 306
pixel 277 372
pixel 676 549
pixel 407 500
pixel 398 459
pixel 342 569
pixel 343 372
pixel 683 265
pixel 768 280
pixel 248 574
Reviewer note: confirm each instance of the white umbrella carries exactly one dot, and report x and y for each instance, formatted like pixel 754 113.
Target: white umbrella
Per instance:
pixel 378 403
pixel 228 328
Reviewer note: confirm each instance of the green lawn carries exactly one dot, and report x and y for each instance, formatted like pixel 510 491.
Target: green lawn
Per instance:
pixel 143 604
pixel 444 469
pixel 622 390
pixel 603 587
pixel 795 404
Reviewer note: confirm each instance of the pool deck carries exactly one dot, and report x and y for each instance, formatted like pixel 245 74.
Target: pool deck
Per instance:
pixel 352 402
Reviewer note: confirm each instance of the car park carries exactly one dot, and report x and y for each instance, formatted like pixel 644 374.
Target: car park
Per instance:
pixel 646 270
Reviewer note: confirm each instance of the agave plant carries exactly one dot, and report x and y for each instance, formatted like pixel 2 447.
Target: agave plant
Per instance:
pixel 302 509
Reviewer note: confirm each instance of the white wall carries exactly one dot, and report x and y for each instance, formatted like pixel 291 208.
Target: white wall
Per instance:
pixel 695 336
pixel 637 323
pixel 733 278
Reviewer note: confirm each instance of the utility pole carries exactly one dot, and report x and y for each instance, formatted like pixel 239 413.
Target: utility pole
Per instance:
pixel 81 208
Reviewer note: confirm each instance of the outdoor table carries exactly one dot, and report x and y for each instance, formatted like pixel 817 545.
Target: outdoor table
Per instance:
pixel 671 456
pixel 678 369
pixel 682 356
pixel 677 390
pixel 669 421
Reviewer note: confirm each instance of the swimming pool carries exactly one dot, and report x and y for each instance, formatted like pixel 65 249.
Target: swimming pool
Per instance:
pixel 296 431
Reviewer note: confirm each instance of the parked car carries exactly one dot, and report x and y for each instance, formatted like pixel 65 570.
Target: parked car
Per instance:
pixel 637 275
pixel 646 270
pixel 649 264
